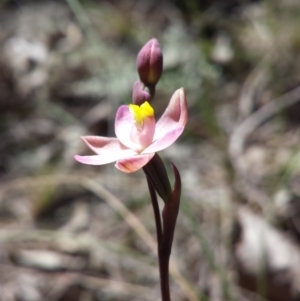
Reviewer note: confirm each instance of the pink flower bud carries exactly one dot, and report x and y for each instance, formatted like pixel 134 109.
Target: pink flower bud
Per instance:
pixel 139 96
pixel 150 63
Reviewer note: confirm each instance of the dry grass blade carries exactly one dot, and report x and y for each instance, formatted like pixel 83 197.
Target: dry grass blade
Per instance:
pixel 250 124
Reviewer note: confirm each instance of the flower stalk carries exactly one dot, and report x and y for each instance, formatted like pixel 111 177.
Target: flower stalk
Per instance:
pixel 165 228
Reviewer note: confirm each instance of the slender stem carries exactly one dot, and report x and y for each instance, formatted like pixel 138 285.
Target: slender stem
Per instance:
pixel 163 250
pixel 151 90
pixel 156 212
pixel 163 259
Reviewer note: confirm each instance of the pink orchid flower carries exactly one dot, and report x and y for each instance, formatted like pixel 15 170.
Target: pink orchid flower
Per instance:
pixel 139 137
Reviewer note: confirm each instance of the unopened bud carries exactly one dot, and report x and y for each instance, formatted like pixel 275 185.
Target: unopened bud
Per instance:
pixel 139 96
pixel 150 63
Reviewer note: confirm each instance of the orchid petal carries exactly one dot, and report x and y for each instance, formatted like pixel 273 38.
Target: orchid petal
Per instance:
pixel 102 145
pixel 174 117
pixel 106 157
pixel 143 137
pixel 133 163
pixel 131 135
pixel 164 141
pixel 123 125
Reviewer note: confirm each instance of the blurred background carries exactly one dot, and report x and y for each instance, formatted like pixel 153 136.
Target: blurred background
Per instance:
pixel 76 232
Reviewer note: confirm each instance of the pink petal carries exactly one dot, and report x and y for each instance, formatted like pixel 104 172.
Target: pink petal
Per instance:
pixel 123 126
pixel 102 145
pixel 105 158
pixel 134 163
pixel 164 141
pixel 174 117
pixel 129 134
pixel 143 137
pixel 94 160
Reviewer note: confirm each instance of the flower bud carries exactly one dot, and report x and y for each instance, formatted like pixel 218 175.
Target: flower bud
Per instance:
pixel 150 63
pixel 139 96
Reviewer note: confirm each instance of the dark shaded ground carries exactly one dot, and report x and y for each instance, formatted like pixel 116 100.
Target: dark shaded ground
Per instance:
pixel 74 232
